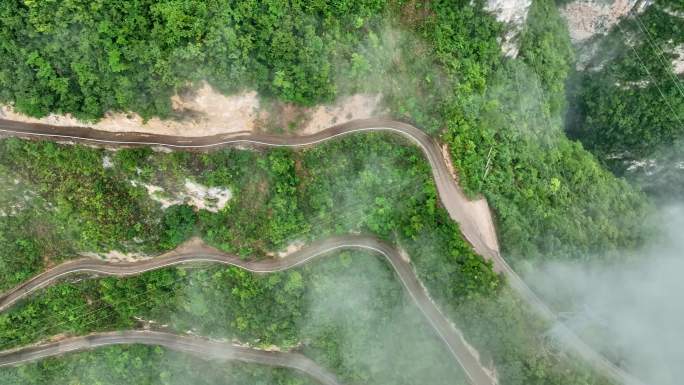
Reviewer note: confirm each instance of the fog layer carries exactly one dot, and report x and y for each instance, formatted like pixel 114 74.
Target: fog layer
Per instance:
pixel 633 311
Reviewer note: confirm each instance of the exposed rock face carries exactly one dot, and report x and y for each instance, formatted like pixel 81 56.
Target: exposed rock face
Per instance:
pixel 194 194
pixel 514 14
pixel 678 61
pixel 587 18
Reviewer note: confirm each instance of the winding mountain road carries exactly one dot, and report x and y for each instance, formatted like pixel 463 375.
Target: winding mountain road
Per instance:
pixel 474 218
pixel 200 347
pixel 194 253
pixel 478 230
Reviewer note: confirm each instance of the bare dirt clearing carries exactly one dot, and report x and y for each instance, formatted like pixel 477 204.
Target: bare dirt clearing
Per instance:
pixel 359 106
pixel 206 112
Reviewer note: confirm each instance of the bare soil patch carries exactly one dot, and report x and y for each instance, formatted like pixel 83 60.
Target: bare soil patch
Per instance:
pixel 359 106
pixel 203 112
pixel 290 119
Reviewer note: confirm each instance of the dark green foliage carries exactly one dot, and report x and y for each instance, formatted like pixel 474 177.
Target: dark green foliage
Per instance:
pixel 437 55
pixel 89 58
pixel 563 204
pixel 20 251
pixel 550 197
pixel 386 189
pixel 178 224
pixel 62 200
pixel 628 105
pixel 545 47
pixel 95 208
pixel 384 186
pixel 501 118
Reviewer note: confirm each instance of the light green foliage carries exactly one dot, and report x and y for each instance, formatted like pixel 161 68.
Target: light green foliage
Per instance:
pixel 545 47
pixel 81 192
pixel 69 203
pixel 384 186
pixel 616 114
pixel 437 64
pixel 523 347
pixel 564 204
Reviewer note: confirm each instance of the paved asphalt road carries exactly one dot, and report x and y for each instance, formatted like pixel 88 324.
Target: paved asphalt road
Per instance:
pixel 451 336
pixel 476 230
pixel 200 347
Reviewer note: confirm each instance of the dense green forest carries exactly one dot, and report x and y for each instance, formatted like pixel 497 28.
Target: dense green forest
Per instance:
pixel 501 117
pixel 563 204
pixel 348 308
pixel 87 58
pixel 384 187
pixel 437 64
pixel 627 105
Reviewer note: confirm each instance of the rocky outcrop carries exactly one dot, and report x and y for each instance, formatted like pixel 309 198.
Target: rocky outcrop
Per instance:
pixel 587 18
pixel 678 61
pixel 513 13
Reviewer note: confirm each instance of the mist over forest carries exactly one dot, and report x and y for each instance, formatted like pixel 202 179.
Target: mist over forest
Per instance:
pixel 574 137
pixel 631 310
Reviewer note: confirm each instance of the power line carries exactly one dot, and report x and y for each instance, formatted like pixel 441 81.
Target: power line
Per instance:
pixel 659 53
pixel 641 63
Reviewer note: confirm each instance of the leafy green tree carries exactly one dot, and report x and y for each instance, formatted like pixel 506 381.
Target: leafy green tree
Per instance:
pixel 178 224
